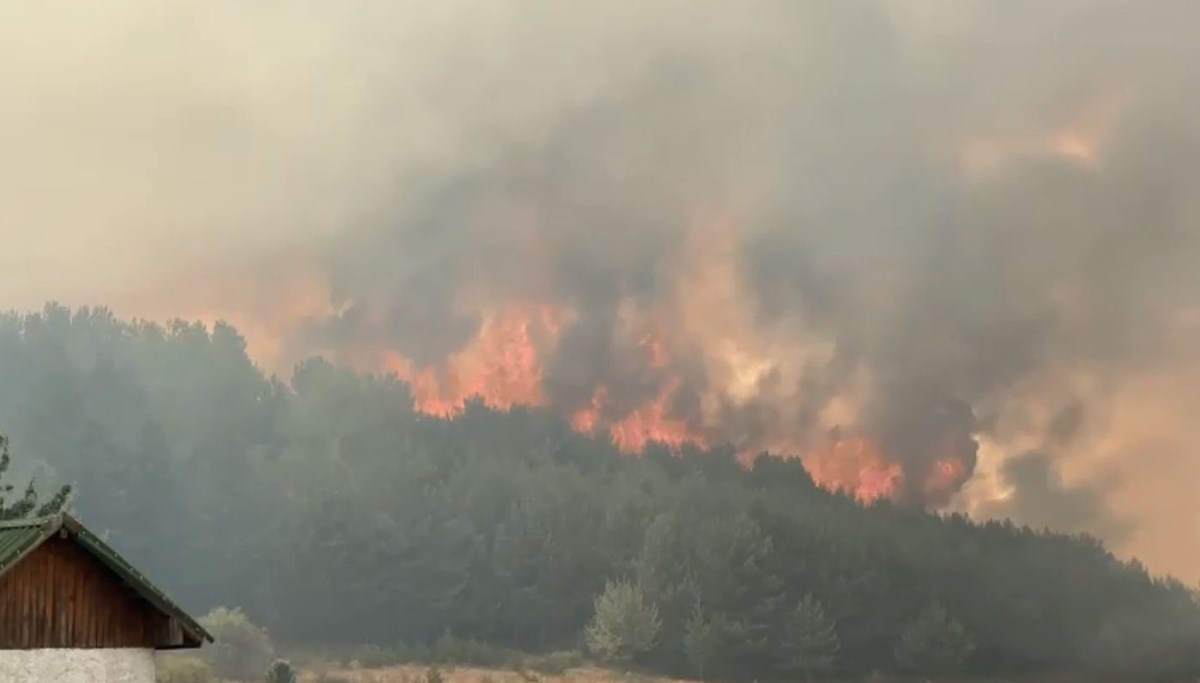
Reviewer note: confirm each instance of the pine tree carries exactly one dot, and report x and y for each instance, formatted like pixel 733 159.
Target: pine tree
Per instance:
pixel 701 638
pixel 27 504
pixel 810 645
pixel 625 623
pixel 934 643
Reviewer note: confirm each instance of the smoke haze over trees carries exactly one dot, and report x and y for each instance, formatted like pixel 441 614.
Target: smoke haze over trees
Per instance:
pixel 500 272
pixel 336 514
pixel 953 239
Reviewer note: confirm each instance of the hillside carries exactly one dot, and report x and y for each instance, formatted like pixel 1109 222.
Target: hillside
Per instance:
pixel 337 516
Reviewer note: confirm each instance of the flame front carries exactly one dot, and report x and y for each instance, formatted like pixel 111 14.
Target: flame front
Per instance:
pixel 856 466
pixel 502 366
pixel 697 368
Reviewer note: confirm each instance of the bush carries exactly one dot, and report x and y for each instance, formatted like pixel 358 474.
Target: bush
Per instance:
pixel 176 669
pixel 434 675
pixel 280 671
pixel 241 650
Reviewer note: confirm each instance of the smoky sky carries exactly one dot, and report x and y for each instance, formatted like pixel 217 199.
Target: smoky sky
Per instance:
pixel 1042 499
pixel 973 221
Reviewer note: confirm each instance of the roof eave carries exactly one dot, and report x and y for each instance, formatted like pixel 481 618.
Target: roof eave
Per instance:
pixel 135 579
pixel 49 526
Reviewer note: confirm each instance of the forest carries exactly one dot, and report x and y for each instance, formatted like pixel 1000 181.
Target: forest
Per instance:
pixel 335 515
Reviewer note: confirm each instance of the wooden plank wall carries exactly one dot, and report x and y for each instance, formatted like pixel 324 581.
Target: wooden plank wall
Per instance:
pixel 59 596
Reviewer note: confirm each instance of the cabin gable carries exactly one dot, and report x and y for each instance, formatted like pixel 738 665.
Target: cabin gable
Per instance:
pixel 61 587
pixel 60 596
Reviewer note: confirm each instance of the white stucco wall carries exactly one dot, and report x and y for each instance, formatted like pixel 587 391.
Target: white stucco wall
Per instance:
pixel 77 666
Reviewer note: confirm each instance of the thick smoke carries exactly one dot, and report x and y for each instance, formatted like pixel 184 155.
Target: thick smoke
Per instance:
pixel 964 229
pixel 1039 493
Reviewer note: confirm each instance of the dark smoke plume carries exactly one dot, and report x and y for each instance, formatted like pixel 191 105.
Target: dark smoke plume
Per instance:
pixel 965 228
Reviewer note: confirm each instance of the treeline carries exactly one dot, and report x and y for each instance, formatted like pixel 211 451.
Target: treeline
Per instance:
pixel 335 515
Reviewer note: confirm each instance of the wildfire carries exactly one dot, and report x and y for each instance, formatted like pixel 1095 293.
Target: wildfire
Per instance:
pixel 705 326
pixel 855 465
pixel 653 423
pixel 707 323
pixel 649 423
pixel 501 366
pixel 274 299
pixel 944 477
pixel 1080 140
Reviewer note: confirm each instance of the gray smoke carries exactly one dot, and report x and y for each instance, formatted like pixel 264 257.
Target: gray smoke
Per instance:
pixel 983 211
pixel 1041 499
pixel 866 228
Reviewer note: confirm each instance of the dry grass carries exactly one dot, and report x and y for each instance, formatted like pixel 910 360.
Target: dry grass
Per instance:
pixel 416 674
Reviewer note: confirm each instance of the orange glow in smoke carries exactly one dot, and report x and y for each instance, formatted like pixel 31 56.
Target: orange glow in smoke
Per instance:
pixel 945 477
pixel 652 423
pixel 501 366
pixel 1080 139
pixel 649 423
pixel 708 318
pixel 856 466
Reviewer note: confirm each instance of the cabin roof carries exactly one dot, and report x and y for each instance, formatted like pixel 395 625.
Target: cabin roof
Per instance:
pixel 20 537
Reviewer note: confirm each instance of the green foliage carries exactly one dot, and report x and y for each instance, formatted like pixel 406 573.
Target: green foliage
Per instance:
pixel 280 671
pixel 181 669
pixel 625 623
pixel 701 638
pixel 241 650
pixel 337 516
pixel 810 642
pixel 27 503
pixel 934 643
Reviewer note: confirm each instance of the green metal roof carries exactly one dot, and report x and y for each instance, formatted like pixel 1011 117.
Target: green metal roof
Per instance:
pixel 20 537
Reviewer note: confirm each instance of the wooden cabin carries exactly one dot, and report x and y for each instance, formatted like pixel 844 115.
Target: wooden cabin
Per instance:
pixel 72 609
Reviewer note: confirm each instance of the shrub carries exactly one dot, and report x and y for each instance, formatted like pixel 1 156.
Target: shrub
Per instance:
pixel 242 650
pixel 434 675
pixel 176 669
pixel 280 671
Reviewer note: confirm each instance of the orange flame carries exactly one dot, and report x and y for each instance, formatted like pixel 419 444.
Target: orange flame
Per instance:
pixel 855 465
pixel 708 317
pixel 652 424
pixel 501 366
pixel 649 423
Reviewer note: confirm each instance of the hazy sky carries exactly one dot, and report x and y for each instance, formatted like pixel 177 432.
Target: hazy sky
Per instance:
pixel 922 205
